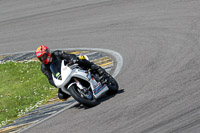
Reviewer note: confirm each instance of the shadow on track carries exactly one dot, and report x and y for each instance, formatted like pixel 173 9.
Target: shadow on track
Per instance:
pixel 101 100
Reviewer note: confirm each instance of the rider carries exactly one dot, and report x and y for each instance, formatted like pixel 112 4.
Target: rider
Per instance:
pixel 46 57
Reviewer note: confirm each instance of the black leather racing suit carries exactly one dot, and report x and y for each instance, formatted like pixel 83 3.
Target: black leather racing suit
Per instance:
pixel 60 55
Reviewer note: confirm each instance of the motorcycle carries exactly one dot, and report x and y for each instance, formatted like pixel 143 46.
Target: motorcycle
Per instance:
pixel 83 85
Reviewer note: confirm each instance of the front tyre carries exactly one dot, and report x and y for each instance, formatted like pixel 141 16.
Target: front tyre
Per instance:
pixel 80 98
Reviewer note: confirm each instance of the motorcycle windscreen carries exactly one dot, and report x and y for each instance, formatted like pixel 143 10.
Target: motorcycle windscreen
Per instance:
pixel 55 68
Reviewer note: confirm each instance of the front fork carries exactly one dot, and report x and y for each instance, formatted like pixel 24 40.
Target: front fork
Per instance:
pixel 82 90
pixel 78 84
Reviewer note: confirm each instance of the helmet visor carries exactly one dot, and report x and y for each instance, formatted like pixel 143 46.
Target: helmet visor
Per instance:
pixel 43 57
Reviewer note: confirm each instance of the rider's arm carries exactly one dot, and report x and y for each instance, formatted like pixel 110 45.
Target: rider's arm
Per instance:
pixel 48 74
pixel 68 57
pixel 73 59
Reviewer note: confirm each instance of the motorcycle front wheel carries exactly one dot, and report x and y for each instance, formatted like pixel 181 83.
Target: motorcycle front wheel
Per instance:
pixel 81 99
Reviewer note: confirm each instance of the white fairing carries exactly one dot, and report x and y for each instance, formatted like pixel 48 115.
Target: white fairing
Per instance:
pixel 97 88
pixel 67 74
pixel 65 71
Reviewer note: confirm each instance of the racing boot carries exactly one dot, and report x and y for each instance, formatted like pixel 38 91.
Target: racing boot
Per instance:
pixel 62 96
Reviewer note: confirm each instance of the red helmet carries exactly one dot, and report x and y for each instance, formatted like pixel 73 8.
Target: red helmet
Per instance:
pixel 43 54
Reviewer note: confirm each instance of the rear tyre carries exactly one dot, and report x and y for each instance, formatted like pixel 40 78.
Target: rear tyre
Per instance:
pixel 78 97
pixel 112 85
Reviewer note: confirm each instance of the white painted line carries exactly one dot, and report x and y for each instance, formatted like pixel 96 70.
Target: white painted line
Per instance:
pixel 33 125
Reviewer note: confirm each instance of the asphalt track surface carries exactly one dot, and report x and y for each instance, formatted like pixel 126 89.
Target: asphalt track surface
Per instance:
pixel 158 40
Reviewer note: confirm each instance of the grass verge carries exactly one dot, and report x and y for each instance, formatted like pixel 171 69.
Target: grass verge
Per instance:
pixel 23 88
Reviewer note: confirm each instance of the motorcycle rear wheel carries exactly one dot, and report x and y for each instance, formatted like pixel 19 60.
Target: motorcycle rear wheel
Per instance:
pixel 112 85
pixel 77 96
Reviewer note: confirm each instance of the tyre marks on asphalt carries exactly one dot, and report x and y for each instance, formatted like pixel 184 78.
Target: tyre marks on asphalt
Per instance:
pixel 35 116
pixel 54 105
